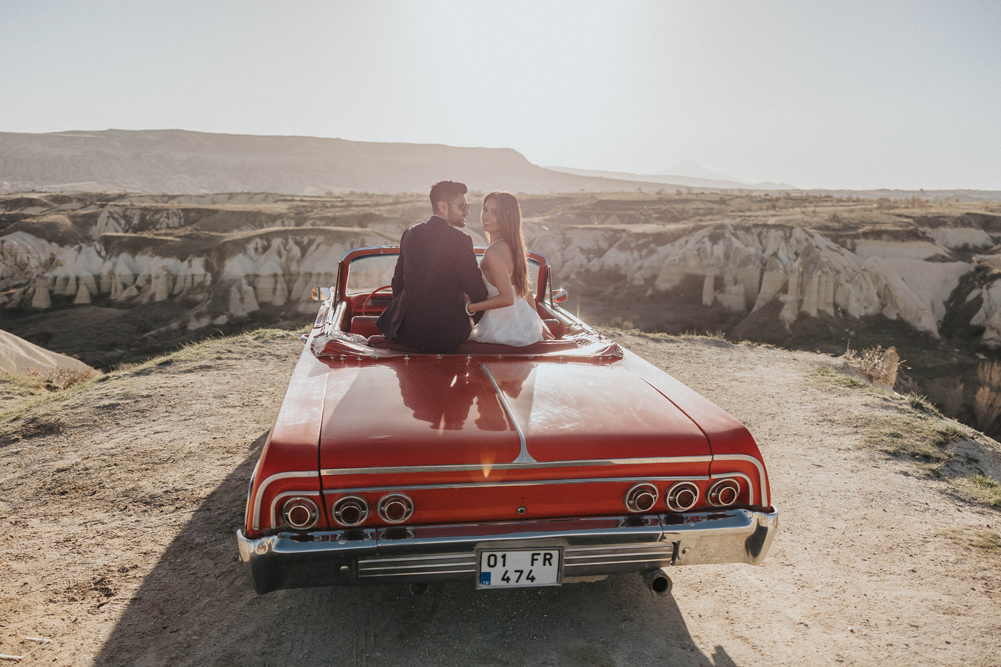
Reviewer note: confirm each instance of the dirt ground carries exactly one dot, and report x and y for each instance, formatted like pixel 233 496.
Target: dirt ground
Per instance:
pixel 118 507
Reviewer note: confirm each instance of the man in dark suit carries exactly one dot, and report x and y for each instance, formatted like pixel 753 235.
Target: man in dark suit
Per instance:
pixel 435 272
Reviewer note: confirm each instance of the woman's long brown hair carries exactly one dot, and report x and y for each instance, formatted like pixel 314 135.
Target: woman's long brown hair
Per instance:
pixel 510 231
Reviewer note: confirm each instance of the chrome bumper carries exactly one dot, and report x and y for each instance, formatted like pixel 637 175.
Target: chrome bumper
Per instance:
pixel 591 546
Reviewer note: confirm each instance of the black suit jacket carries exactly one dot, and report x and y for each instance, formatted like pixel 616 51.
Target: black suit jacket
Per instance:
pixel 436 268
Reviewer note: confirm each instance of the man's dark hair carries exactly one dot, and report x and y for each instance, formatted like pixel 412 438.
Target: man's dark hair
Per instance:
pixel 446 191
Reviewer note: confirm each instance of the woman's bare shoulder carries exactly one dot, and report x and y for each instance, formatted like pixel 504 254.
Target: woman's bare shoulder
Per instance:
pixel 499 249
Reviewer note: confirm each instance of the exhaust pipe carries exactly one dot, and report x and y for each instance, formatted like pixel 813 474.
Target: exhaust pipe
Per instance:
pixel 658 582
pixel 418 589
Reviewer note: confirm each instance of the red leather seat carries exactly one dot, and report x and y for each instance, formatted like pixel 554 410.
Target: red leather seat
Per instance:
pixel 364 325
pixel 555 327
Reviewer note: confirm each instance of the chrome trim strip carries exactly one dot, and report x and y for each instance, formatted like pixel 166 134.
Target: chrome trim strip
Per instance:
pixel 757 464
pixel 529 482
pixel 264 485
pixel 513 466
pixel 620 562
pixel 404 574
pixel 411 566
pixel 667 545
pixel 402 558
pixel 596 558
pixel 286 494
pixel 523 456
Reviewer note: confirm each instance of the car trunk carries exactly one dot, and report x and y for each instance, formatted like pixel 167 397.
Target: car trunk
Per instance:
pixel 468 412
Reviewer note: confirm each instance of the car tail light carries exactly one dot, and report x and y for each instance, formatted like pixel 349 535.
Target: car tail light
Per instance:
pixel 641 497
pixel 395 508
pixel 723 492
pixel 682 496
pixel 350 510
pixel 300 513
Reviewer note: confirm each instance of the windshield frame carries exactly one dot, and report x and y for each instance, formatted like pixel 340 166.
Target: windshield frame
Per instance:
pixel 538 276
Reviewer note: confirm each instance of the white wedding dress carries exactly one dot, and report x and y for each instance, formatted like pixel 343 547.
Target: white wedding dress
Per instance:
pixel 516 325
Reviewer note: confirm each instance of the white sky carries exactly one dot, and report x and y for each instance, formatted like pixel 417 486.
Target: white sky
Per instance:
pixel 816 93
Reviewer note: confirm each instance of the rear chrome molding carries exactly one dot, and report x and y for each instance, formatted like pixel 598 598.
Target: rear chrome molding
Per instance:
pixel 592 546
pixel 256 525
pixel 330 472
pixel 530 482
pixel 762 480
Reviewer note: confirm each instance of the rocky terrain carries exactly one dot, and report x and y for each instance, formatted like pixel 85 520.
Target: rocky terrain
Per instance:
pixel 119 500
pixel 116 278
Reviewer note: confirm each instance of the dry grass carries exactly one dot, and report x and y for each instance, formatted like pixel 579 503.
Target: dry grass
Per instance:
pixel 922 437
pixel 986 408
pixel 953 398
pixel 989 374
pixel 985 540
pixel 849 381
pixel 58 379
pixel 982 489
pixel 876 364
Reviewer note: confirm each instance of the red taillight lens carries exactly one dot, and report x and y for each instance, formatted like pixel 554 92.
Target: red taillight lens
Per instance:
pixel 395 508
pixel 723 492
pixel 300 513
pixel 641 497
pixel 350 510
pixel 682 496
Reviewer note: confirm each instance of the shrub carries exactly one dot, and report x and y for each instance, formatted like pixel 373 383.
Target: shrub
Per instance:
pixel 875 364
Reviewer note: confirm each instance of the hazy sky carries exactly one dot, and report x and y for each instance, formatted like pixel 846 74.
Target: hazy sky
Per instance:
pixel 819 94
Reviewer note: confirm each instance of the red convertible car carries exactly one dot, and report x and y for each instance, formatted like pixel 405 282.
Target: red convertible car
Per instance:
pixel 499 466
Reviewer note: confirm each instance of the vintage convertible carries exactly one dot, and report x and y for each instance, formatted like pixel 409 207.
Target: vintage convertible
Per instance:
pixel 563 461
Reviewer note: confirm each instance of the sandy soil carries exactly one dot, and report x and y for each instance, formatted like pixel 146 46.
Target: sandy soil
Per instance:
pixel 118 508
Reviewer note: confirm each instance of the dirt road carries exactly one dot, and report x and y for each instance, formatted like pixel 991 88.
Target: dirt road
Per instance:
pixel 118 508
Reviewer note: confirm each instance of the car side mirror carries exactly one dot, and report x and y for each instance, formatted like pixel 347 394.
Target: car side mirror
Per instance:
pixel 560 295
pixel 322 293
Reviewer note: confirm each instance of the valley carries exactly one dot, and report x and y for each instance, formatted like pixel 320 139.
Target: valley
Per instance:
pixel 115 279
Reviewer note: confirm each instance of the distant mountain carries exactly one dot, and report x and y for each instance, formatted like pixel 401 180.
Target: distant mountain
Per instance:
pixel 695 170
pixel 676 180
pixel 183 162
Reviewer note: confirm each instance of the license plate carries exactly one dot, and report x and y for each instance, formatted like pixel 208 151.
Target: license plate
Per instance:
pixel 522 567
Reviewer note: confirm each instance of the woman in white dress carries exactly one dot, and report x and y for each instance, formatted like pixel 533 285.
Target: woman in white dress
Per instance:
pixel 509 316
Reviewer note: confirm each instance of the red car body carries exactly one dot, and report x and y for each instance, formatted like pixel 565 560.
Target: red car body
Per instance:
pixel 389 465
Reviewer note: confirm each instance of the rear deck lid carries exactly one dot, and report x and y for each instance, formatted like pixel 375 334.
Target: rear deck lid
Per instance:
pixel 426 412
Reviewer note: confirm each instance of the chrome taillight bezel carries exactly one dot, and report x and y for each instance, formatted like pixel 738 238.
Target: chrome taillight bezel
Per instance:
pixel 635 497
pixel 715 494
pixel 392 499
pixel 345 502
pixel 300 503
pixel 676 491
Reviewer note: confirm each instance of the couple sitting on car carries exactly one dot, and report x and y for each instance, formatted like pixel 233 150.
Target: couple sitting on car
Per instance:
pixel 438 287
